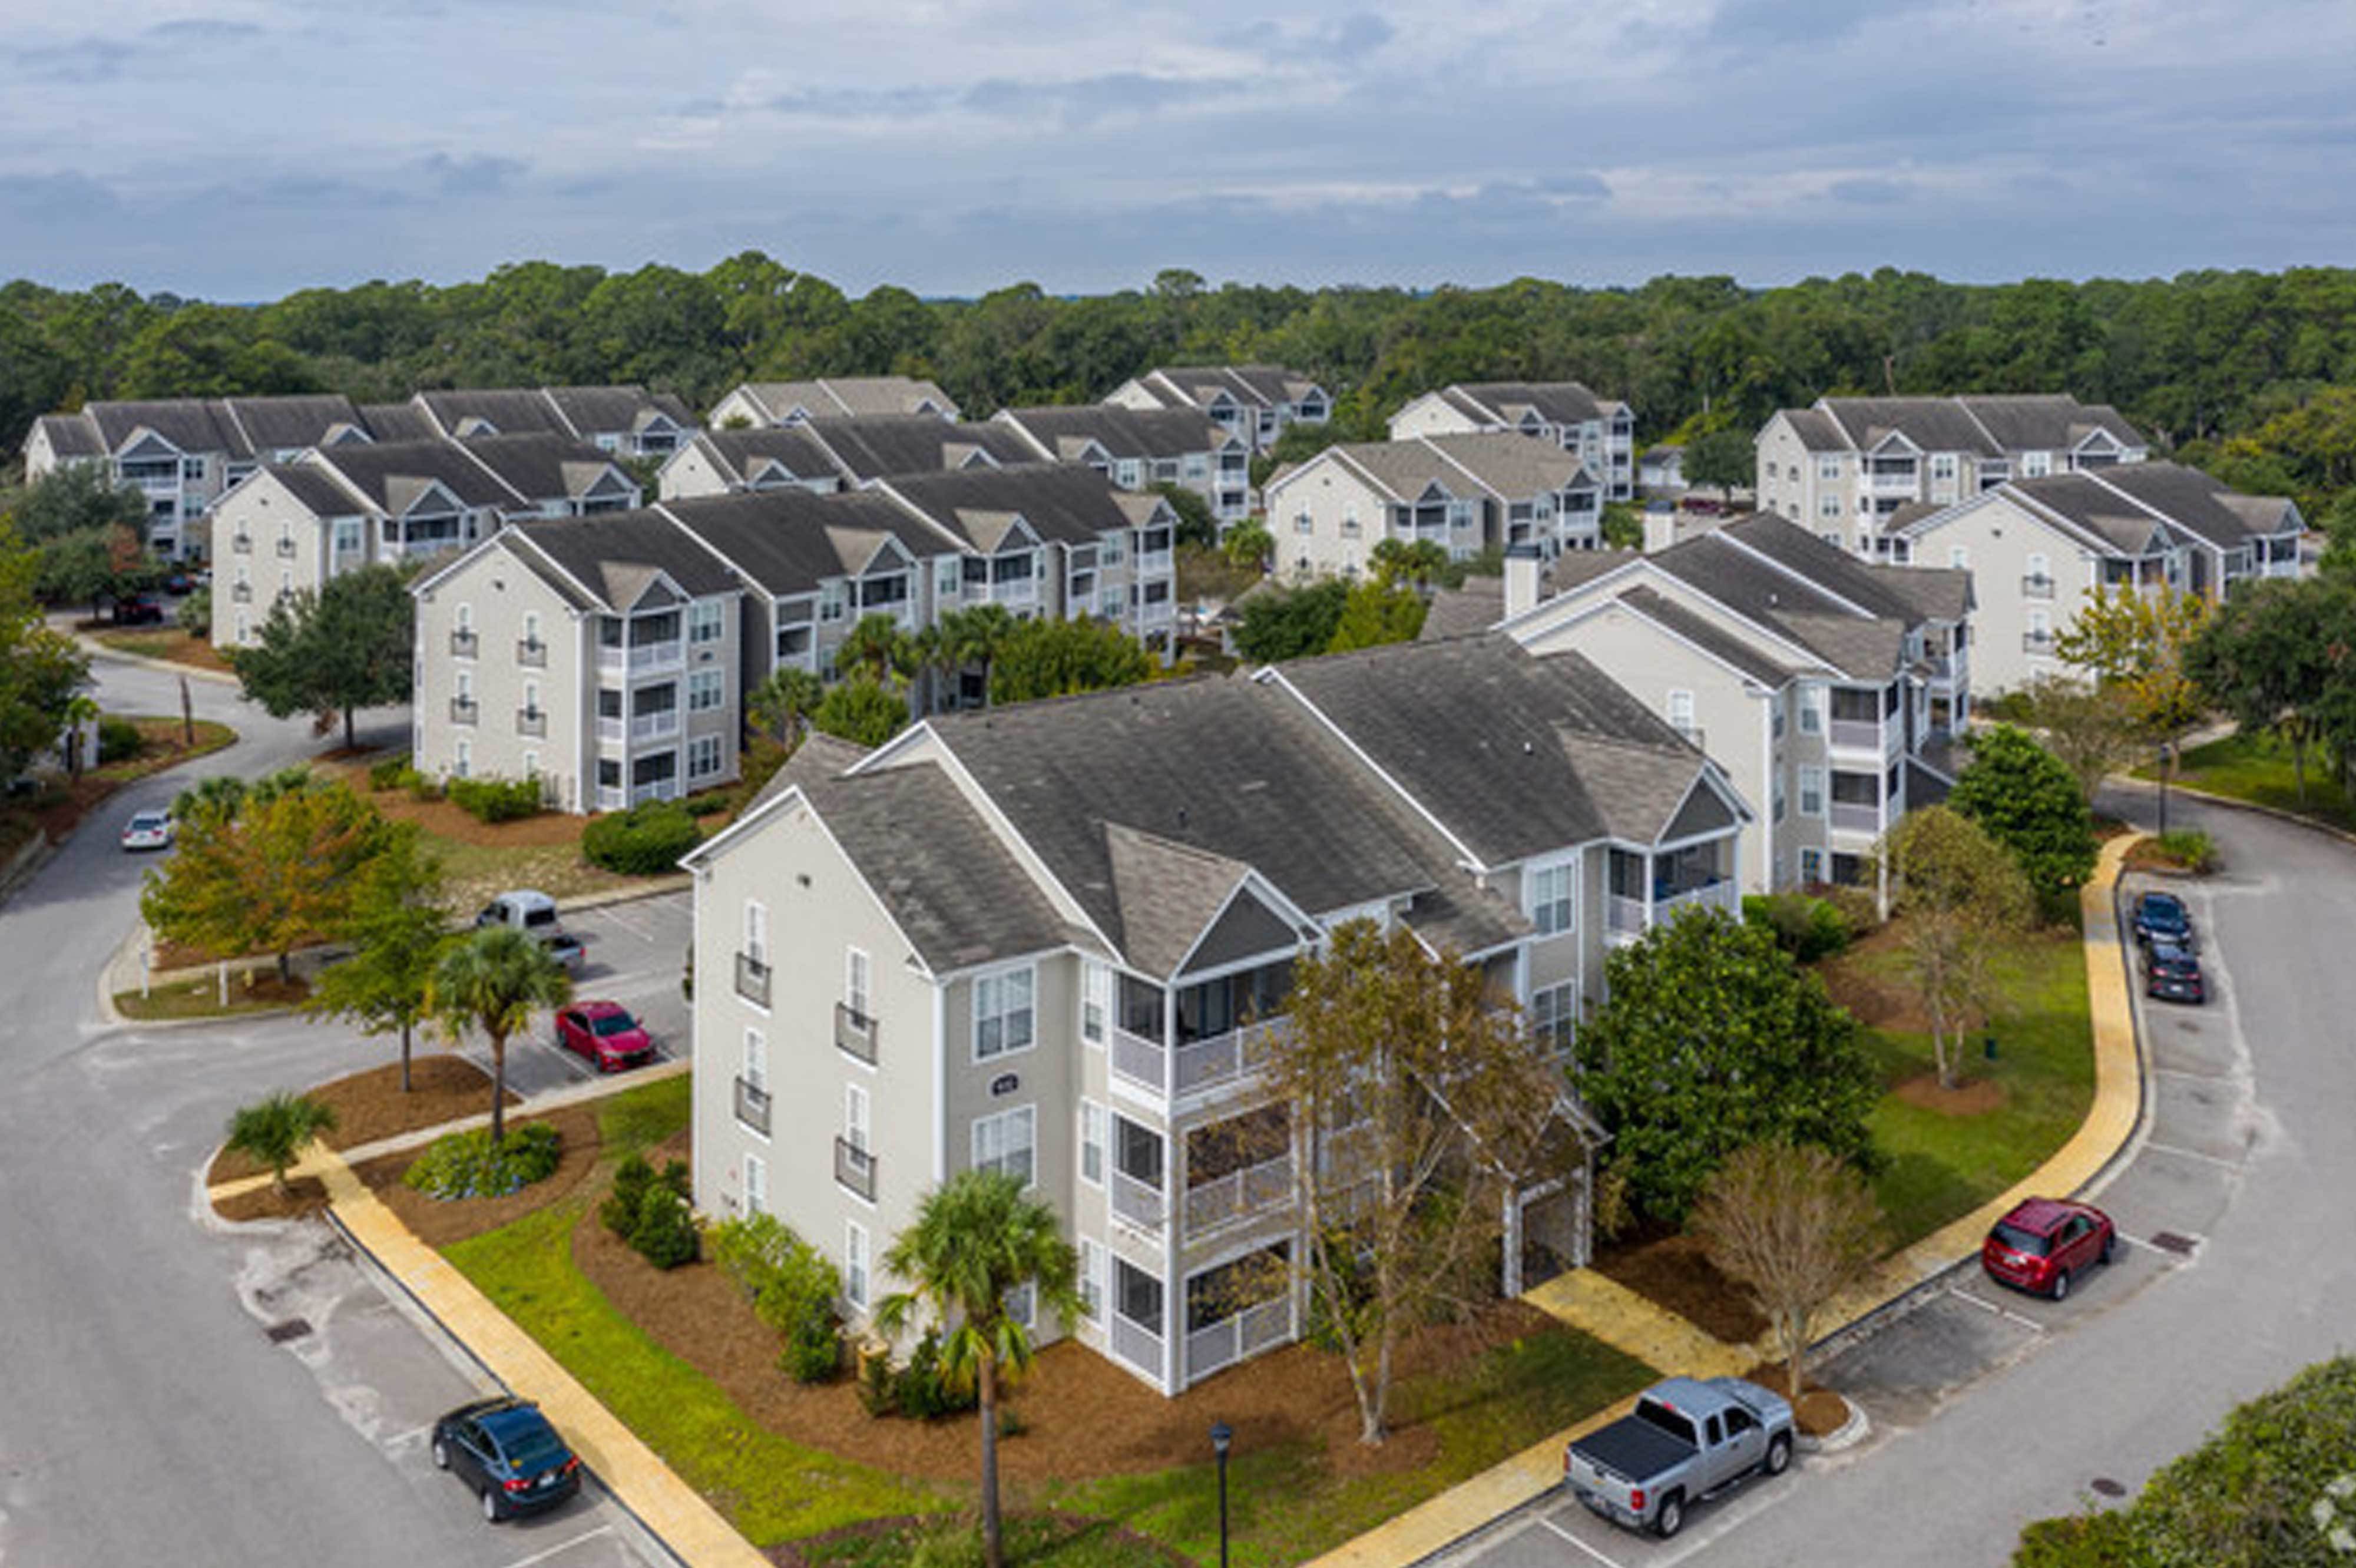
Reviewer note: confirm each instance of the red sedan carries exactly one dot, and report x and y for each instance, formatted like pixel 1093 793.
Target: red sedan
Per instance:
pixel 2046 1241
pixel 605 1032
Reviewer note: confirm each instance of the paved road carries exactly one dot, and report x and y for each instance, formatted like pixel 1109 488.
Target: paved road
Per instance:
pixel 1992 1408
pixel 144 1414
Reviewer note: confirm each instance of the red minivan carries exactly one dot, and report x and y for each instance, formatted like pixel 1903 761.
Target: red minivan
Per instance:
pixel 2044 1242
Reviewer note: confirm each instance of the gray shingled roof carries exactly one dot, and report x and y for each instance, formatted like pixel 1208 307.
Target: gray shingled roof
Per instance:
pixel 289 424
pixel 1817 431
pixel 1909 594
pixel 1707 635
pixel 1060 501
pixel 1124 432
pixel 1865 647
pixel 788 541
pixel 741 453
pixel 1558 403
pixel 1467 611
pixel 72 435
pixel 615 409
pixel 316 489
pixel 1167 893
pixel 885 446
pixel 511 411
pixel 543 467
pixel 192 424
pixel 2095 507
pixel 848 395
pixel 2047 422
pixel 589 548
pixel 1638 789
pixel 390 473
pixel 398 421
pixel 2189 498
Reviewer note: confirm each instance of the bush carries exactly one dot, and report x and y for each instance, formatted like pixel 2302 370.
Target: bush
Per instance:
pixel 1808 928
pixel 497 800
pixel 645 841
pixel 463 1164
pixel 195 615
pixel 389 772
pixel 418 785
pixel 923 1388
pixel 711 804
pixel 793 1287
pixel 665 1234
pixel 878 1387
pixel 619 1212
pixel 118 739
pixel 2189 848
pixel 1855 909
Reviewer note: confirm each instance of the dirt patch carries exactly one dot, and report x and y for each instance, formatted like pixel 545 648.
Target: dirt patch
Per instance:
pixel 1670 1269
pixel 370 1105
pixel 438 1222
pixel 1817 1412
pixel 304 1195
pixel 1973 1097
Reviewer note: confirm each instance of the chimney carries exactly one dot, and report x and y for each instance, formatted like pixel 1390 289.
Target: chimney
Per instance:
pixel 1522 564
pixel 1660 527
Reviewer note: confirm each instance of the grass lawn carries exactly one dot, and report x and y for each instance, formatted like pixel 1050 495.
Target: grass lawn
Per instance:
pixel 1941 1160
pixel 166 643
pixel 201 998
pixel 2257 768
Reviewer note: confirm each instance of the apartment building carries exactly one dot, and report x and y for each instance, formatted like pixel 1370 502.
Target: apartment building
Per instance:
pixel 1253 401
pixel 1829 690
pixel 1600 431
pixel 598 654
pixel 757 404
pixel 628 420
pixel 2037 549
pixel 727 462
pixel 1140 447
pixel 1056 940
pixel 1844 467
pixel 1464 493
pixel 336 507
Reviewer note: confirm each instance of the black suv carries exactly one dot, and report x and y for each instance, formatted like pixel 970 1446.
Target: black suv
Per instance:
pixel 2162 917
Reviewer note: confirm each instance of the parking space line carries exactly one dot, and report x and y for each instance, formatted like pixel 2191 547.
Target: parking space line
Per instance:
pixel 586 1536
pixel 2001 1311
pixel 1565 1535
pixel 2157 1147
pixel 629 923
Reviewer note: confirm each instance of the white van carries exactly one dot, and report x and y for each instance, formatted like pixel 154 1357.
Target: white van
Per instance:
pixel 524 909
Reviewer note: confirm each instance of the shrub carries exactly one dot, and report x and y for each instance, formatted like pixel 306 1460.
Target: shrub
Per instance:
pixel 645 841
pixel 497 800
pixel 1808 928
pixel 665 1234
pixel 2189 848
pixel 463 1164
pixel 389 772
pixel 619 1212
pixel 793 1288
pixel 1855 906
pixel 711 804
pixel 195 615
pixel 418 785
pixel 118 739
pixel 923 1388
pixel 878 1386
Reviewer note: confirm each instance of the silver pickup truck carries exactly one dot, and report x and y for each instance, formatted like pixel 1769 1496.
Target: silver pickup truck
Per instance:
pixel 1684 1440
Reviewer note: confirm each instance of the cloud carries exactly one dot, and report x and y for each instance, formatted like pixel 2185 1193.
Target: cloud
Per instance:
pixel 82 61
pixel 185 30
pixel 480 174
pixel 1870 192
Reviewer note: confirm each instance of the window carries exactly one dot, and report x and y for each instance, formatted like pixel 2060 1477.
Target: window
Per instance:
pixel 1959 557
pixel 1021 1303
pixel 703 757
pixel 854 1265
pixel 948 576
pixel 829 600
pixel 756 931
pixel 703 691
pixel 856 974
pixel 1812 709
pixel 462 618
pixel 1550 898
pixel 348 535
pixel 1681 713
pixel 1828 469
pixel 1829 506
pixel 1137 1295
pixel 466 684
pixel 1811 791
pixel 1303 524
pixel 1943 466
pixel 466 766
pixel 1812 867
pixel 704 621
pixel 532 628
pixel 1006 1143
pixel 756 1185
pixel 1095 1001
pixel 1092 1280
pixel 756 1059
pixel 1775 708
pixel 531 765
pixel 854 1116
pixel 1002 1013
pixel 1092 1142
pixel 1554 1014
pixel 531 699
pixel 2036 464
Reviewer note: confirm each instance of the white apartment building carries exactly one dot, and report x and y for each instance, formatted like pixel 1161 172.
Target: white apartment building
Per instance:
pixel 1253 401
pixel 755 404
pixel 1600 432
pixel 1137 448
pixel 1464 493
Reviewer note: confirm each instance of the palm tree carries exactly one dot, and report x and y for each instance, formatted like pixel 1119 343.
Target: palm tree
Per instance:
pixel 977 1238
pixel 494 979
pixel 981 635
pixel 876 645
pixel 784 700
pixel 81 709
pixel 274 1131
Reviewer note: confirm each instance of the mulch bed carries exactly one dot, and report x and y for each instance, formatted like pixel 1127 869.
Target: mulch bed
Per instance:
pixel 2148 856
pixel 1065 1530
pixel 438 1222
pixel 370 1105
pixel 1818 1411
pixel 440 816
pixel 1669 1269
pixel 304 1195
pixel 1971 1096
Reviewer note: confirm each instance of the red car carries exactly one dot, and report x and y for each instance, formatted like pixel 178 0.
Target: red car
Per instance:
pixel 605 1032
pixel 2044 1242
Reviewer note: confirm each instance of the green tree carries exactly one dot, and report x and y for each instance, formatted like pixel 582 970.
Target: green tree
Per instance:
pixel 396 929
pixel 784 700
pixel 334 650
pixel 1796 1227
pixel 978 1239
pixel 1248 546
pixel 1197 524
pixel 2139 644
pixel 1957 894
pixel 1374 612
pixel 2268 657
pixel 95 566
pixel 1278 624
pixel 861 709
pixel 2024 798
pixel 40 669
pixel 1396 561
pixel 494 979
pixel 2089 725
pixel 1047 658
pixel 875 647
pixel 80 498
pixel 1722 460
pixel 1711 1038
pixel 273 1131
pixel 976 638
pixel 1422 1111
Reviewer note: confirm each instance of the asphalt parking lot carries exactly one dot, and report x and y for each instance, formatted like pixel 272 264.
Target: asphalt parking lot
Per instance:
pixel 634 953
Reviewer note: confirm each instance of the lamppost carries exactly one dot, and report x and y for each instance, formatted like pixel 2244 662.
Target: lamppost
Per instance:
pixel 1223 1437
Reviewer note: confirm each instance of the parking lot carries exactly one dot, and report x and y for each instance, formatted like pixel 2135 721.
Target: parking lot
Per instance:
pixel 634 953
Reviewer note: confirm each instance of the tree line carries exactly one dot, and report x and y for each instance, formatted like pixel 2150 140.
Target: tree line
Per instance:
pixel 2199 357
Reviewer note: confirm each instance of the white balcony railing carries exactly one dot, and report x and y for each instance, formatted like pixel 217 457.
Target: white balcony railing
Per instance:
pixel 1238 1195
pixel 612 797
pixel 1223 1056
pixel 1137 1346
pixel 1139 1061
pixel 1155 563
pixel 1857 734
pixel 1233 1339
pixel 1135 1202
pixel 654 726
pixel 1718 895
pixel 1855 819
pixel 613 729
pixel 1021 591
pixel 644 659
pixel 665 790
pixel 1623 915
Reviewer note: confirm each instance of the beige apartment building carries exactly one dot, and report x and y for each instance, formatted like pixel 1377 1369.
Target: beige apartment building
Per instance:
pixel 1137 448
pixel 1599 432
pixel 1054 940
pixel 755 404
pixel 1463 493
pixel 727 462
pixel 1255 403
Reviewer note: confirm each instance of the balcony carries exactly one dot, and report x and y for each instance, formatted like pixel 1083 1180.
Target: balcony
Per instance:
pixel 854 1033
pixel 286 550
pixel 242 543
pixel 242 593
pixel 1135 1203
pixel 854 1169
pixel 1016 591
pixel 1238 1195
pixel 464 644
pixel 1155 563
pixel 532 723
pixel 1236 1338
pixel 531 653
pixel 751 980
pixel 1857 734
pixel 464 711
pixel 651 726
pixel 610 728
pixel 2037 588
pixel 612 797
pixel 1849 818
pixel 1197 1064
pixel 1626 918
pixel 1136 1346
pixel 2037 642
pixel 753 1106
pixel 644 659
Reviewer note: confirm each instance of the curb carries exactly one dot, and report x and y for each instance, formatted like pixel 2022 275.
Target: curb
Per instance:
pixel 98 649
pixel 2207 798
pixel 1848 1434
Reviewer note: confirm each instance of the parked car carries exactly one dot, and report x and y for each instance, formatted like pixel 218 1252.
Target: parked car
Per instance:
pixel 2172 973
pixel 605 1032
pixel 524 909
pixel 1685 1439
pixel 506 1450
pixel 566 949
pixel 178 581
pixel 148 830
pixel 2163 917
pixel 2045 1242
pixel 137 609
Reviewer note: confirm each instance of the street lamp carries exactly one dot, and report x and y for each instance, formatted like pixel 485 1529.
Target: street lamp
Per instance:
pixel 1223 1437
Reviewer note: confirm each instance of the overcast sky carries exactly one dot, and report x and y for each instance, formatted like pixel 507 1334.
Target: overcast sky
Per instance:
pixel 237 149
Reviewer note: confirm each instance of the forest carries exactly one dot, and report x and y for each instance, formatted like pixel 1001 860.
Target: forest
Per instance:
pixel 2194 358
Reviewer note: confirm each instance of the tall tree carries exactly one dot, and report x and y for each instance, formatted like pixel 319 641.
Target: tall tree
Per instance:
pixel 2023 797
pixel 1054 657
pixel 862 711
pixel 40 669
pixel 494 979
pixel 78 498
pixel 2139 644
pixel 334 650
pixel 1796 1227
pixel 784 700
pixel 978 1239
pixel 1423 1110
pixel 397 931
pixel 1957 893
pixel 1723 459
pixel 2267 658
pixel 875 647
pixel 977 637
pixel 2090 727
pixel 1374 612
pixel 1397 561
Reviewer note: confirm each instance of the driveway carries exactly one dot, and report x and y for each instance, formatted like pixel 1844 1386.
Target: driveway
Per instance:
pixel 147 1414
pixel 1992 1408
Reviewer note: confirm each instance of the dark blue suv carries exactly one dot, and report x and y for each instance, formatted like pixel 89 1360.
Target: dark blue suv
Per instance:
pixel 2162 917
pixel 506 1450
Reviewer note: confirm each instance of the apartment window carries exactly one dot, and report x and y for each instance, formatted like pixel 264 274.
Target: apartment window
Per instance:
pixel 531 765
pixel 1112 603
pixel 1109 553
pixel 1095 1001
pixel 948 576
pixel 856 974
pixel 1828 469
pixel 1775 708
pixel 1092 1280
pixel 1554 1014
pixel 829 600
pixel 756 1185
pixel 1001 1013
pixel 532 628
pixel 1943 466
pixel 463 618
pixel 756 1059
pixel 1092 1142
pixel 1959 557
pixel 854 1116
pixel 1829 506
pixel 1006 1143
pixel 1550 898
pixel 854 1263
pixel 347 536
pixel 704 621
pixel 1812 867
pixel 1812 708
pixel 1681 713
pixel 1303 524
pixel 703 691
pixel 1811 791
pixel 703 757
pixel 2036 464
pixel 465 765
pixel 756 931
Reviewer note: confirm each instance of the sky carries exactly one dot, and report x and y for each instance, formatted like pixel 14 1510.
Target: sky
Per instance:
pixel 239 149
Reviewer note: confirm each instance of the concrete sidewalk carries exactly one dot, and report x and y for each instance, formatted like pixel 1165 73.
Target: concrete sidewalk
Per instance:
pixel 1629 1323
